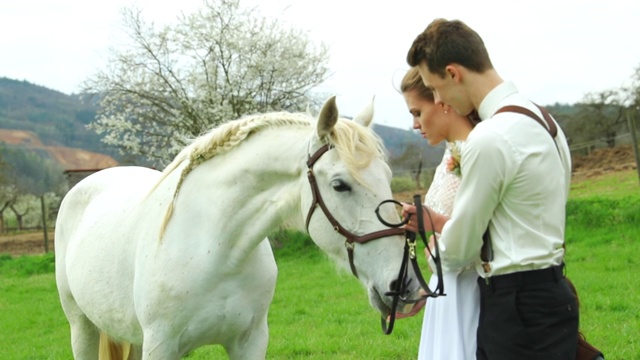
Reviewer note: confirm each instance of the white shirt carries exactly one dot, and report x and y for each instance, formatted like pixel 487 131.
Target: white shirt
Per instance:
pixel 515 181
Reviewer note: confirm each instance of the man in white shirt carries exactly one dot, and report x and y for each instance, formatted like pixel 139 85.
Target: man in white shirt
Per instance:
pixel 515 181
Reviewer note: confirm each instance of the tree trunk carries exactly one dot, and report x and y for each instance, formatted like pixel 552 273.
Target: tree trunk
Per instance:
pixel 2 223
pixel 634 138
pixel 19 216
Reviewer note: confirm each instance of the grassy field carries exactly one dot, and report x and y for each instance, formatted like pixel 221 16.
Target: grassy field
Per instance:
pixel 321 313
pixel 603 228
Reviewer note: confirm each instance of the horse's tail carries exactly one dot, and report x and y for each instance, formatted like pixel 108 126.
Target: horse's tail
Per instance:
pixel 585 349
pixel 114 350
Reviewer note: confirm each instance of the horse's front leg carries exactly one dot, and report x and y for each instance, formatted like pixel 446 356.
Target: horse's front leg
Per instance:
pixel 85 338
pixel 159 347
pixel 251 345
pixel 135 352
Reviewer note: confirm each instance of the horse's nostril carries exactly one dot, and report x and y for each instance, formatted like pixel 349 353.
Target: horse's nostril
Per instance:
pixel 393 285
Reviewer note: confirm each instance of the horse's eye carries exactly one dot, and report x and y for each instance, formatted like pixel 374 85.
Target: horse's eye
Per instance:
pixel 341 186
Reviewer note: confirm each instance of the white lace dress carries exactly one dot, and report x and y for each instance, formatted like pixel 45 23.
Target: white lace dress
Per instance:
pixel 450 322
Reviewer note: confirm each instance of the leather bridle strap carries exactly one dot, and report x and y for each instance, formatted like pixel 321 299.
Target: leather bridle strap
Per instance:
pixel 410 257
pixel 351 238
pixel 436 258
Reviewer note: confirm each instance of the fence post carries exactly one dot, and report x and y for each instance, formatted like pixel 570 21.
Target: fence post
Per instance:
pixel 634 140
pixel 44 224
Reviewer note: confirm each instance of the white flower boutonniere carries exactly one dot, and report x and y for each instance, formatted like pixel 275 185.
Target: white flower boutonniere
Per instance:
pixel 453 163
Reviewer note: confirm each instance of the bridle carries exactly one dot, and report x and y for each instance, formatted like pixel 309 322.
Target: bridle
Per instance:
pixel 317 200
pixel 402 282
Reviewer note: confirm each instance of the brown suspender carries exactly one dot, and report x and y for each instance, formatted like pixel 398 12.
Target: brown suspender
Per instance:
pixel 486 252
pixel 551 125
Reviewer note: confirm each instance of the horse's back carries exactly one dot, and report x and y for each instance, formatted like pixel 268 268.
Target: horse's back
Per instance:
pixel 102 192
pixel 118 181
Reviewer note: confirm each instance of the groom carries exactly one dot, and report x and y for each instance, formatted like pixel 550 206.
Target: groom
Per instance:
pixel 515 182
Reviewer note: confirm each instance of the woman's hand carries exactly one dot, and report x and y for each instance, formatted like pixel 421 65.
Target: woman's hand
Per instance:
pixel 432 221
pixel 430 250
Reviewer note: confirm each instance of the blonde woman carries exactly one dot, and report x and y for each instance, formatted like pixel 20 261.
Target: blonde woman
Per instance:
pixel 450 322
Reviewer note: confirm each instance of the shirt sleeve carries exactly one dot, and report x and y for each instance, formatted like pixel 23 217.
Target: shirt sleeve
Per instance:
pixel 485 164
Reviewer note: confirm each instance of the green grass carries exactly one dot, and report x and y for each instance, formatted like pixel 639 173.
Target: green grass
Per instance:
pixel 603 228
pixel 321 313
pixel 33 325
pixel 318 312
pixel 612 186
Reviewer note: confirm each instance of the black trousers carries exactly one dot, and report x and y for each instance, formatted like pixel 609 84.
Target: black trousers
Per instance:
pixel 527 315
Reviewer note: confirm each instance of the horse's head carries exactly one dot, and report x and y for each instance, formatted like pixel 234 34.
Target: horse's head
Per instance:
pixel 349 178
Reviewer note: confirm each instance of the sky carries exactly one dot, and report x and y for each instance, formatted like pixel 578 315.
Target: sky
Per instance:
pixel 555 51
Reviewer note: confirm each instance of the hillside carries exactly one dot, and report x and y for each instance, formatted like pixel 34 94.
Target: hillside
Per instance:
pixel 67 158
pixel 59 120
pixel 406 147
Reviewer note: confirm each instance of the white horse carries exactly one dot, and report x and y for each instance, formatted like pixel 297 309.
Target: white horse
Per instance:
pixel 166 262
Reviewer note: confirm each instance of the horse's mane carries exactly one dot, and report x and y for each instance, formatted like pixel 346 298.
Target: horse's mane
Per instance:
pixel 356 145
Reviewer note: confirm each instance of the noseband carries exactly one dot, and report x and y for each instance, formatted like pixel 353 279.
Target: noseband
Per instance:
pixel 317 200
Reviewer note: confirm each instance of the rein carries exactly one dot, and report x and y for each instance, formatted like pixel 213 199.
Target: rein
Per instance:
pixel 409 256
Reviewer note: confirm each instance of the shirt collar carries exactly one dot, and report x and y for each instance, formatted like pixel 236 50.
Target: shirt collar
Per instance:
pixel 491 102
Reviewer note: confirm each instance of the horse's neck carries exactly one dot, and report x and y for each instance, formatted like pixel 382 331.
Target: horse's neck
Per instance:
pixel 251 190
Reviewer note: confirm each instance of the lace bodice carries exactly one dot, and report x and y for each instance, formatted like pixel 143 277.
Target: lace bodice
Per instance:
pixel 442 190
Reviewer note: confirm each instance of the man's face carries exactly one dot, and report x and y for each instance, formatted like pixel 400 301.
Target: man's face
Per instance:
pixel 447 90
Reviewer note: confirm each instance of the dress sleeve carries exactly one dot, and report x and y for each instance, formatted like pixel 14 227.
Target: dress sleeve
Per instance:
pixel 442 191
pixel 443 188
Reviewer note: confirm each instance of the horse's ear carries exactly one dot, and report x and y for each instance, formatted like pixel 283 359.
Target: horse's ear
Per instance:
pixel 328 117
pixel 366 115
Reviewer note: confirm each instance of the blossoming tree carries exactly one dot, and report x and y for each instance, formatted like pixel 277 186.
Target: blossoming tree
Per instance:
pixel 223 61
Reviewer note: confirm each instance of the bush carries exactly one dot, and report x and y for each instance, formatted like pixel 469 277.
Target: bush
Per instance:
pixel 402 184
pixel 292 243
pixel 593 212
pixel 27 265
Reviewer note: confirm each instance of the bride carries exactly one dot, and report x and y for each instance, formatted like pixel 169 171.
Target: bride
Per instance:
pixel 450 322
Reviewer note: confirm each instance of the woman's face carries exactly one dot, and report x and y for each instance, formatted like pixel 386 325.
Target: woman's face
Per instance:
pixel 428 117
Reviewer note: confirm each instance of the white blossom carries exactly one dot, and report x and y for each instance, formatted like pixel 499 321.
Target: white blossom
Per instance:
pixel 219 63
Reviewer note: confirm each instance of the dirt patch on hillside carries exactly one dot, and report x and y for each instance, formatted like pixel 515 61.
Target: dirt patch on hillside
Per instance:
pixel 68 158
pixel 20 137
pixel 599 162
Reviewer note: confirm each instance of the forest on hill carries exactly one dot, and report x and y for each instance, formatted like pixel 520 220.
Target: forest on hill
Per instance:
pixel 57 118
